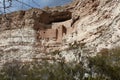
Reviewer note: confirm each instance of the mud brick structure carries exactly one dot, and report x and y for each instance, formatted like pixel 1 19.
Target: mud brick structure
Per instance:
pixel 54 34
pixel 48 34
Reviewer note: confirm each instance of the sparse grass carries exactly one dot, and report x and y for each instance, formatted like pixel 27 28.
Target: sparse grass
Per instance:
pixel 40 71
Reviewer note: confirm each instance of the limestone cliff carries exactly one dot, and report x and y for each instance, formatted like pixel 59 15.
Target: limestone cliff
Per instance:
pixel 98 24
pixel 28 35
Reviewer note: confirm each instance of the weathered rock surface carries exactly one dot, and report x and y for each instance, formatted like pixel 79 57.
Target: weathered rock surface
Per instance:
pixel 96 23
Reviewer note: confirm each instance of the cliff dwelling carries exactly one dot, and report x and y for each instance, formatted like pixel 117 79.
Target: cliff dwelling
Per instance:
pixel 49 27
pixel 53 34
pixel 52 28
pixel 53 38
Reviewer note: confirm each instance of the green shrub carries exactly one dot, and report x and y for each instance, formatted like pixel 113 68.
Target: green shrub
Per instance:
pixel 107 63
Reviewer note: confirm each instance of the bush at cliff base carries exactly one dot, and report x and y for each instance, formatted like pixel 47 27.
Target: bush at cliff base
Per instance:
pixel 106 65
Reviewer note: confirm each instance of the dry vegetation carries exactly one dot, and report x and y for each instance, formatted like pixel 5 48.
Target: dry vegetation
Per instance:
pixel 106 66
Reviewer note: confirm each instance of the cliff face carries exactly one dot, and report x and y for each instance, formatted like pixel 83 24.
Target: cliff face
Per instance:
pixel 98 24
pixel 29 34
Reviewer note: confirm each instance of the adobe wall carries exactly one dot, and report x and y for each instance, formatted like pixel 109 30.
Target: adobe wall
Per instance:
pixel 61 32
pixel 56 34
pixel 52 38
pixel 69 30
pixel 48 34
